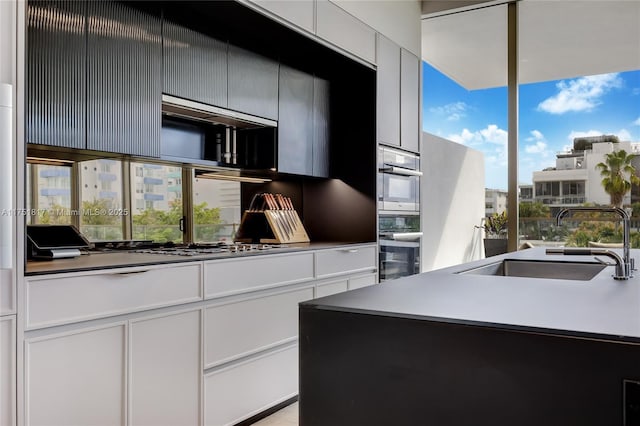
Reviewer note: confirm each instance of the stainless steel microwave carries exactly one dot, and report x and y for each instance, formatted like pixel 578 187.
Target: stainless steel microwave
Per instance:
pixel 398 181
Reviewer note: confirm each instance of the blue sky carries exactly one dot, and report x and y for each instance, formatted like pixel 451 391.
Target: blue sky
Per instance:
pixel 551 114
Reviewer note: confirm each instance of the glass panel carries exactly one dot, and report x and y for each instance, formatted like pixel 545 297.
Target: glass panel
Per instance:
pixel 156 199
pixel 464 140
pixel 216 205
pixel 49 194
pixel 574 113
pixel 101 187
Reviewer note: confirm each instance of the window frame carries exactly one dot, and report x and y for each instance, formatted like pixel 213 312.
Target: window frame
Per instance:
pixel 31 188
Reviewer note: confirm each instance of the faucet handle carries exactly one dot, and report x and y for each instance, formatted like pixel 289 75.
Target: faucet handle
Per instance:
pixel 604 262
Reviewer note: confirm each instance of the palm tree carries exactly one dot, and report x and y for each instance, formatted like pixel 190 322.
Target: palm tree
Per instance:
pixel 618 175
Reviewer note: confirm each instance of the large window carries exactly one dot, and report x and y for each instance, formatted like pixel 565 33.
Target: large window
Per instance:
pixel 156 197
pixel 577 98
pixel 103 201
pixel 49 194
pixel 101 195
pixel 216 209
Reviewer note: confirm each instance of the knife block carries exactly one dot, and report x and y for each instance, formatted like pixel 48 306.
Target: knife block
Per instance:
pixel 271 226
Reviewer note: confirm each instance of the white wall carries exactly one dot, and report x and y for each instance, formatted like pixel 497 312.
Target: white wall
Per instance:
pixel 398 20
pixel 452 196
pixel 7 41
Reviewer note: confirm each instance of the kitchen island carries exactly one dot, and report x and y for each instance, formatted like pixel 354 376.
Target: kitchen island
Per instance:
pixel 454 348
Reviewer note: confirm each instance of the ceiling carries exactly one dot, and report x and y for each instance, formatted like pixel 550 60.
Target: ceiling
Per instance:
pixel 558 39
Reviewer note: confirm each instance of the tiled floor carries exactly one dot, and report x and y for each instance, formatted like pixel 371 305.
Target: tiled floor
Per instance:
pixel 288 416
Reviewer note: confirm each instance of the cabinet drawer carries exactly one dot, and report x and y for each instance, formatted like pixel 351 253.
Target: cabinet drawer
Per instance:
pixel 363 281
pixel 344 260
pixel 241 328
pixel 225 277
pixel 238 392
pixel 333 287
pixel 59 300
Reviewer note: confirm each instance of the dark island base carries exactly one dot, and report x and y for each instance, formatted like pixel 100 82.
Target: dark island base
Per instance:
pixel 358 369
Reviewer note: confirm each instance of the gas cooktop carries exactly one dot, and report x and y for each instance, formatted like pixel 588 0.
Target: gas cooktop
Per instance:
pixel 200 249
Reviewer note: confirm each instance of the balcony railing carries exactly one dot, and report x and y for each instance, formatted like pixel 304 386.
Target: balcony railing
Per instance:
pixel 562 200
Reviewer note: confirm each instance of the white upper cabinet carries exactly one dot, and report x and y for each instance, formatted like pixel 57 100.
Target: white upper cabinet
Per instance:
pixel 409 101
pixel 398 96
pixel 299 12
pixel 338 27
pixel 388 92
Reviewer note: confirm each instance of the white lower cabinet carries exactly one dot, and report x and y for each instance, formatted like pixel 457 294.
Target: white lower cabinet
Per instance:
pixel 77 378
pixel 239 391
pixel 362 281
pixel 237 329
pixel 332 287
pixel 8 370
pixel 188 362
pixel 165 370
pixel 53 299
pixel 342 261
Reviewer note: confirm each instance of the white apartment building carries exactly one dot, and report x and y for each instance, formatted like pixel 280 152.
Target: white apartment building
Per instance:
pixel 495 201
pixel 575 180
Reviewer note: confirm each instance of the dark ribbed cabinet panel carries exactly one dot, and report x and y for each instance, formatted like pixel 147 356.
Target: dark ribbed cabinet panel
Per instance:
pixel 321 125
pixel 295 126
pixel 388 91
pixel 409 101
pixel 253 83
pixel 195 66
pixel 124 80
pixel 56 73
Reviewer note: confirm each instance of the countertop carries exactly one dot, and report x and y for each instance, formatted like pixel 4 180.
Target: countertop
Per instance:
pixel 93 260
pixel 602 308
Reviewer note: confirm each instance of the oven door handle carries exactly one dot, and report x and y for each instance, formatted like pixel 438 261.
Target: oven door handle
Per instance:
pixel 404 236
pixel 400 171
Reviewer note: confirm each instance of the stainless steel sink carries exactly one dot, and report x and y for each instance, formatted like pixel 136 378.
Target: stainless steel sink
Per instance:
pixel 581 271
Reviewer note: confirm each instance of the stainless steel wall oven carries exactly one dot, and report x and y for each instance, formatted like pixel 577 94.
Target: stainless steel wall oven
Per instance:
pixel 400 239
pixel 399 233
pixel 398 181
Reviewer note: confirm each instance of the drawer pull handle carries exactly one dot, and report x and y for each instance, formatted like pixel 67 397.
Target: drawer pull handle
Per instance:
pixel 351 250
pixel 130 272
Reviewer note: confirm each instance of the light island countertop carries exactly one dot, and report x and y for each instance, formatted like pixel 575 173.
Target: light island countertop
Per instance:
pixel 601 308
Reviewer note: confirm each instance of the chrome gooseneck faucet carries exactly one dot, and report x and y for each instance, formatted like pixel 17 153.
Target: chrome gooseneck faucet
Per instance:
pixel 624 265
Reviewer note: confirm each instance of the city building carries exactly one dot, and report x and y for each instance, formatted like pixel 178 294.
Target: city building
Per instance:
pixel 575 179
pixel 495 201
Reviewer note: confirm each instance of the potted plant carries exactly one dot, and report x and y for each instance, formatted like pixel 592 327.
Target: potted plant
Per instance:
pixel 495 230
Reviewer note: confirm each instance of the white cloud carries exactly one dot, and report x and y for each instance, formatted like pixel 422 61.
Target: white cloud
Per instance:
pixel 454 111
pixel 536 135
pixel 492 142
pixel 535 156
pixel 582 94
pixel 538 148
pixel 622 134
pixel 581 134
pixel 637 122
pixel 537 144
pixel 492 134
